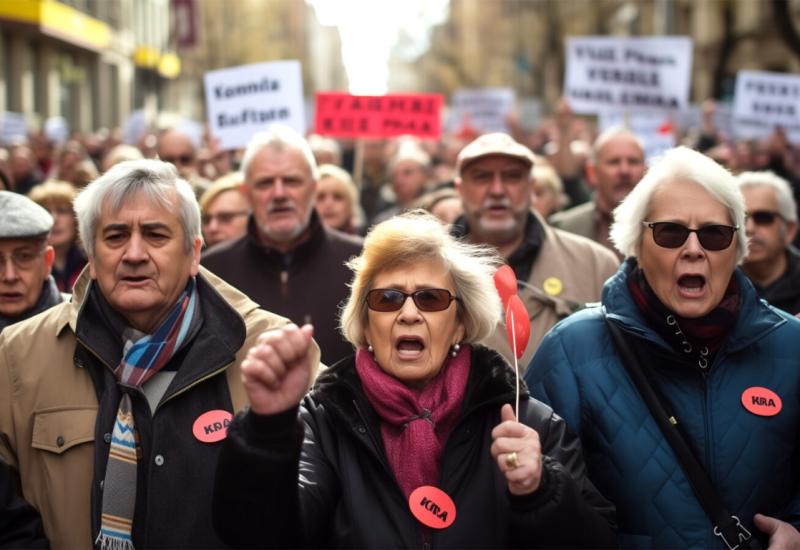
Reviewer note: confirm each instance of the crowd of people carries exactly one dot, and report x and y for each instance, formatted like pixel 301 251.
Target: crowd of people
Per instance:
pixel 300 344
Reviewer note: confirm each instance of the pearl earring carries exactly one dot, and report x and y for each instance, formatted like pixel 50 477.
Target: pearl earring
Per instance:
pixel 456 348
pixel 370 349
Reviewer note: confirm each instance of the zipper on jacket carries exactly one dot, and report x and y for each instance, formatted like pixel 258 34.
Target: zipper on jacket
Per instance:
pixel 284 283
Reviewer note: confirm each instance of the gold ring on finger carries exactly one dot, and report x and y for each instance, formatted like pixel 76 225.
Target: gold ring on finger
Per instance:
pixel 512 461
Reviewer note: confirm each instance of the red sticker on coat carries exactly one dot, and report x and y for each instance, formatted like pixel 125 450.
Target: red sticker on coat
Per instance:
pixel 761 401
pixel 432 507
pixel 212 426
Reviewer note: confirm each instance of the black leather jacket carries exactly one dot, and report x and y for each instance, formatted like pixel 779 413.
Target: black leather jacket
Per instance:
pixel 325 481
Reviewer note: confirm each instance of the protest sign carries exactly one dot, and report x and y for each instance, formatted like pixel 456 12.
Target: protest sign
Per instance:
pixel 13 127
pixel 352 116
pixel 135 127
pixel 56 129
pixel 655 130
pixel 633 74
pixel 764 101
pixel 241 101
pixel 484 109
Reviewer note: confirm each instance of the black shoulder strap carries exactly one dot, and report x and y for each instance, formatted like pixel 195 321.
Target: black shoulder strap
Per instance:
pixel 726 526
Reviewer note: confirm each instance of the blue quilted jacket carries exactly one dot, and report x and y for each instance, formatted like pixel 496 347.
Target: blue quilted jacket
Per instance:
pixel 752 460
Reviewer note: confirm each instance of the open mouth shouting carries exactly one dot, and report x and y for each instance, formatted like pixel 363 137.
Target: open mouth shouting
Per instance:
pixel 409 348
pixel 692 285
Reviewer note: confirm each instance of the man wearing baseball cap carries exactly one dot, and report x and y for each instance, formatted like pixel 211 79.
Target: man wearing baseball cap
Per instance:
pixel 26 287
pixel 557 272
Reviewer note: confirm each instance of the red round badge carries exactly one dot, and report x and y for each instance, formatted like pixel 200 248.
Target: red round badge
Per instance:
pixel 761 401
pixel 212 426
pixel 432 507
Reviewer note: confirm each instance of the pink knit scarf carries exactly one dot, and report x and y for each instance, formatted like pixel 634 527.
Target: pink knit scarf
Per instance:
pixel 415 424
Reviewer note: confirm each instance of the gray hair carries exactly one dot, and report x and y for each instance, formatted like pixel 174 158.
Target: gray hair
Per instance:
pixel 783 191
pixel 680 163
pixel 608 135
pixel 159 184
pixel 279 137
pixel 416 236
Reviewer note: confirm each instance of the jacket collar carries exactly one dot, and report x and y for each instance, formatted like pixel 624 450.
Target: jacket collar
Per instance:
pixel 787 286
pixel 316 237
pixel 223 332
pixel 755 319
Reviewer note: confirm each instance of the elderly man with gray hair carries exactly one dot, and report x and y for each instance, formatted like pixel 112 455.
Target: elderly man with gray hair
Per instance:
pixel 288 261
pixel 772 263
pixel 26 285
pixel 111 404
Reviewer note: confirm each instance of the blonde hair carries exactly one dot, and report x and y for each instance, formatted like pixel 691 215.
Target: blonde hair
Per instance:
pixel 228 182
pixel 416 236
pixel 341 175
pixel 53 192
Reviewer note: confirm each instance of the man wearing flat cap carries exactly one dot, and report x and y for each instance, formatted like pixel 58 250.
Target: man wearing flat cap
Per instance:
pixel 113 405
pixel 557 272
pixel 26 286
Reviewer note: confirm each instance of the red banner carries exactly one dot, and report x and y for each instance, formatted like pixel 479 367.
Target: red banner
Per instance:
pixel 361 116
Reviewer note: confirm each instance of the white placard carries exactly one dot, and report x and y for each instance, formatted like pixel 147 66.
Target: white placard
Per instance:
pixel 243 100
pixel 765 100
pixel 484 109
pixel 134 128
pixel 631 74
pixel 56 129
pixel 13 127
pixel 655 130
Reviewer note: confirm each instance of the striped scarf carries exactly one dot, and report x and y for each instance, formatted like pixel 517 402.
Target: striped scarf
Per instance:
pixel 143 356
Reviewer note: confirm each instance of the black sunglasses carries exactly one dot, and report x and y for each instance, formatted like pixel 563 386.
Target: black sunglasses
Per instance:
pixel 673 235
pixel 764 217
pixel 426 299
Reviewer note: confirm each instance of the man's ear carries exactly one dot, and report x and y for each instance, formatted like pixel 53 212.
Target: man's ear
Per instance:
pixel 591 175
pixel 49 258
pixel 791 232
pixel 196 249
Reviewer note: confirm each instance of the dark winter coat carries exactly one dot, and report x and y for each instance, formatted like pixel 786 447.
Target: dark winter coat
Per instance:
pixel 323 480
pixel 753 461
pixel 307 285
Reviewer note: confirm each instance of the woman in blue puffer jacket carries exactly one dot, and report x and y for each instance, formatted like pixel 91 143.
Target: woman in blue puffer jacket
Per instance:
pixel 724 362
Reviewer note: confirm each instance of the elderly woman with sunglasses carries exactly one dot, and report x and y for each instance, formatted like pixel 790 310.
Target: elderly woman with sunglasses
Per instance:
pixel 412 442
pixel 681 319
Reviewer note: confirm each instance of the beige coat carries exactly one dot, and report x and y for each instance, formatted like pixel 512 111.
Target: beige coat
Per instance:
pixel 568 273
pixel 48 407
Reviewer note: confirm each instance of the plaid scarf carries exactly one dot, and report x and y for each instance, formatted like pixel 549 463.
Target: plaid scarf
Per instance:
pixel 143 356
pixel 704 333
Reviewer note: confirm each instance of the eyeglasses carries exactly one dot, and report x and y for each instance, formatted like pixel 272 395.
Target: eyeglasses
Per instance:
pixel 673 235
pixel 224 218
pixel 23 259
pixel 426 299
pixel 764 217
pixel 179 159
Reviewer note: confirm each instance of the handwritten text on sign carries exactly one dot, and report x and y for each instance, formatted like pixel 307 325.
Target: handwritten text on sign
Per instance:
pixel 627 73
pixel 353 116
pixel 765 100
pixel 247 99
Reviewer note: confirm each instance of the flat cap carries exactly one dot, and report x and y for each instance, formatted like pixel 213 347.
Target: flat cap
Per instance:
pixel 21 218
pixel 493 144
